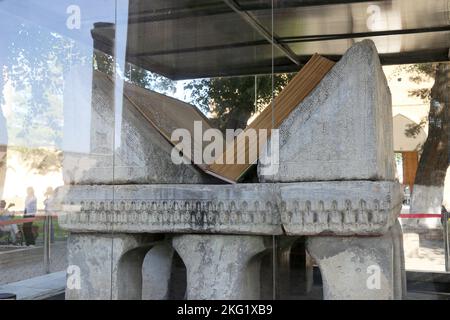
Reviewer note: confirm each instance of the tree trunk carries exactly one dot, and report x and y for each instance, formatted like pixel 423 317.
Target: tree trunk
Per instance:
pixel 427 196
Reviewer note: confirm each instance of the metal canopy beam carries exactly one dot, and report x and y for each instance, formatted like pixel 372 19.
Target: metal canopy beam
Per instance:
pixel 215 8
pixel 269 36
pixel 186 39
pixel 284 65
pixel 299 39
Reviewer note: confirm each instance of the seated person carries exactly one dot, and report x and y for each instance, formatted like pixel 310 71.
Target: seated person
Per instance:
pixel 5 216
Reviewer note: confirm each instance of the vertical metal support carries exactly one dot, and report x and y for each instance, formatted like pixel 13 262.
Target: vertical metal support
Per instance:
pixel 47 240
pixel 258 27
pixel 446 240
pixel 120 63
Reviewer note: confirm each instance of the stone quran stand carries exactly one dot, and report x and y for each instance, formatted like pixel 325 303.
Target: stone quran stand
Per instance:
pixel 335 185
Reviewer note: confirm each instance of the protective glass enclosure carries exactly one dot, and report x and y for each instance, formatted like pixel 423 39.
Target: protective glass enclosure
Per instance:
pixel 229 149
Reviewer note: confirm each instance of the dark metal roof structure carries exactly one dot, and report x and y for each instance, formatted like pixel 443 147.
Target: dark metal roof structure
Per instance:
pixel 185 39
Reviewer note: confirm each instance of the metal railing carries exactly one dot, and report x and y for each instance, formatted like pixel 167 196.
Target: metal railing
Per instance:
pixel 446 216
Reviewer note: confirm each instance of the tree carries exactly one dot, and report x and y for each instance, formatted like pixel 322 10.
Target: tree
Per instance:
pixel 34 72
pixel 133 74
pixel 231 100
pixel 434 160
pixel 33 80
pixel 435 155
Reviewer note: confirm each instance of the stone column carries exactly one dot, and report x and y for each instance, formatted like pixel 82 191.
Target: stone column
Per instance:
pixel 221 266
pixel 364 268
pixel 294 268
pixel 283 266
pixel 156 272
pixel 399 261
pixel 301 269
pixel 106 266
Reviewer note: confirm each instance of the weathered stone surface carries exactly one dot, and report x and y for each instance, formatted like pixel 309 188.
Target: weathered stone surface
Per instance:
pixel 156 272
pixel 341 208
pixel 343 129
pixel 141 154
pixel 109 266
pixel 399 262
pixel 239 209
pixel 309 208
pixel 360 268
pixel 221 266
pixel 335 148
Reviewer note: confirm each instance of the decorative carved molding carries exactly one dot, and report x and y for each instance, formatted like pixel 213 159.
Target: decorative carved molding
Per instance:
pixel 239 209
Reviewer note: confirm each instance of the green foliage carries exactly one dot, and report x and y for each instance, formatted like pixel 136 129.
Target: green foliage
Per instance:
pixel 413 129
pixel 36 63
pixel 422 93
pixel 103 62
pixel 419 73
pixel 34 69
pixel 420 70
pixel 148 80
pixel 39 160
pixel 231 100
pixel 134 74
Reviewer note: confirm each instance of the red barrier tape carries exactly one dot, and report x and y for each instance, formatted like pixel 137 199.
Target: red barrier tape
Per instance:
pixel 23 220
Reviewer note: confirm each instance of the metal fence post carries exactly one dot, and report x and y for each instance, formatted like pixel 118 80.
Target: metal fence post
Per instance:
pixel 47 238
pixel 446 240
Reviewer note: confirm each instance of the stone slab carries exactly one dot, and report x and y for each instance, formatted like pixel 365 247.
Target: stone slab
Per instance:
pixel 37 288
pixel 366 268
pixel 139 153
pixel 343 208
pixel 343 129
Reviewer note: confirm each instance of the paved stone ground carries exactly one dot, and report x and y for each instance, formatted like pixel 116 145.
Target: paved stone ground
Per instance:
pixel 429 258
pixel 21 263
pixel 421 286
pixel 26 263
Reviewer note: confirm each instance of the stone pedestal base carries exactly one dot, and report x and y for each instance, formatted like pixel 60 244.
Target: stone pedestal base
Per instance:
pixel 361 268
pixel 221 266
pixel 106 266
pixel 156 272
pixel 294 268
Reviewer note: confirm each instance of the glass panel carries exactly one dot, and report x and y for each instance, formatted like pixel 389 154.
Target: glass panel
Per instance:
pixel 293 266
pixel 53 137
pixel 419 96
pixel 182 74
pixel 416 124
pixel 179 149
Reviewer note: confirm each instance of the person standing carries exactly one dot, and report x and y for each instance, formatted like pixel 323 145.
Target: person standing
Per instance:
pixel 5 216
pixel 29 212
